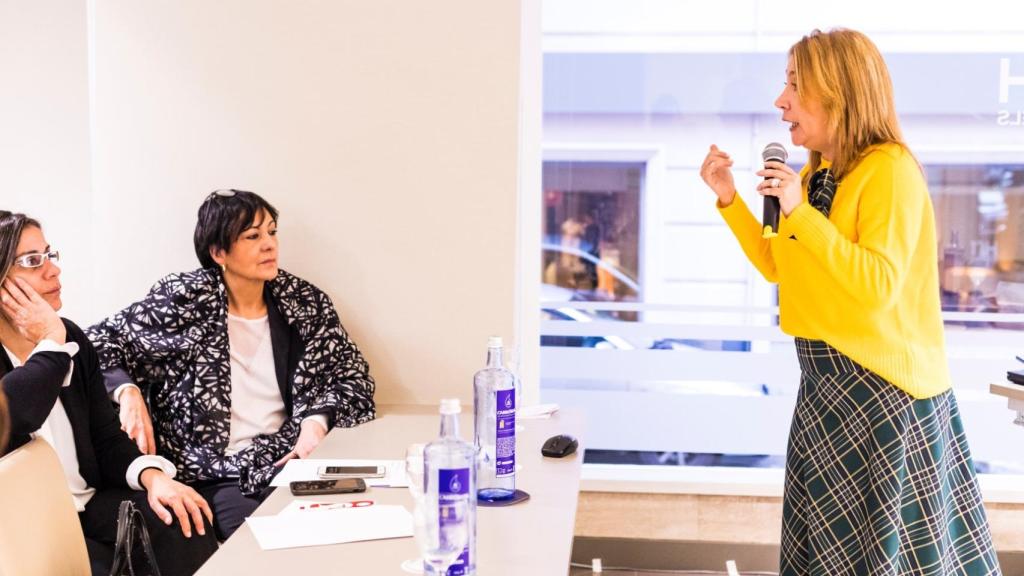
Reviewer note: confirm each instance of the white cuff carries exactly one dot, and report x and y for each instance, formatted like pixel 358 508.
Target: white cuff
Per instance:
pixel 47 345
pixel 147 461
pixel 70 348
pixel 320 419
pixel 116 394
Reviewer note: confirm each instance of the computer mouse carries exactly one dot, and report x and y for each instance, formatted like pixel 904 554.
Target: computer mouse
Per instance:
pixel 559 446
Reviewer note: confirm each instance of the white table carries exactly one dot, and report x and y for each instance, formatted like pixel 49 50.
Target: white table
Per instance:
pixel 1015 398
pixel 533 538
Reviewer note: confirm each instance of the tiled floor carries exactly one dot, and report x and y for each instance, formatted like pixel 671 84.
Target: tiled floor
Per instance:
pixel 1012 565
pixel 652 532
pixel 650 558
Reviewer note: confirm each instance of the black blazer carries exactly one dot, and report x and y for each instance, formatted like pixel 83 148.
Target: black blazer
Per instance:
pixel 104 451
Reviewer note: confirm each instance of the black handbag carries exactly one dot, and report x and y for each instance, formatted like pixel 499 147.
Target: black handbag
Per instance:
pixel 133 553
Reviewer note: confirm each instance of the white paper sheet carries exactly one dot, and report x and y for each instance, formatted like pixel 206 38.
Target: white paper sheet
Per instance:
pixel 536 411
pixel 298 469
pixel 337 526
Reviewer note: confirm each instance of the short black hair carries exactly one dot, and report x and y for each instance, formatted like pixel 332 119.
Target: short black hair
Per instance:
pixel 223 217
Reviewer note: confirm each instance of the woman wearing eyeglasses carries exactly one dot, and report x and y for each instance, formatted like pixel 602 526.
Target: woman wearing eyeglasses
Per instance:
pixel 55 390
pixel 241 364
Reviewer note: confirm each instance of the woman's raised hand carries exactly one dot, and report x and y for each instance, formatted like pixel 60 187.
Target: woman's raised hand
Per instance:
pixel 717 174
pixel 29 314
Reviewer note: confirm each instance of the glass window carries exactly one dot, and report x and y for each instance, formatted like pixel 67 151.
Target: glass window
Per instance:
pixel 980 217
pixel 653 321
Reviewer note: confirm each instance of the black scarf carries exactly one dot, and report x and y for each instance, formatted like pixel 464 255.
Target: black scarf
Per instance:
pixel 822 190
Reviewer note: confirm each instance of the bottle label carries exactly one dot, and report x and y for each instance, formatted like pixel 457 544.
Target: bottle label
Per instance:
pixel 453 486
pixel 505 438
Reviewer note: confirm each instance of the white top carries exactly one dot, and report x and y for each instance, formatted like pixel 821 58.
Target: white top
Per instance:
pixel 56 430
pixel 256 403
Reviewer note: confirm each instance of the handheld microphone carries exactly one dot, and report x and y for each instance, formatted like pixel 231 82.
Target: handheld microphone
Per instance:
pixel 773 152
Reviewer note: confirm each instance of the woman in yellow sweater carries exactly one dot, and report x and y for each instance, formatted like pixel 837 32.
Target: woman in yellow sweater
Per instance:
pixel 879 478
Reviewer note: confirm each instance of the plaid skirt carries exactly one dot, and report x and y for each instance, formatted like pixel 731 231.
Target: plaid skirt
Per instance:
pixel 877 483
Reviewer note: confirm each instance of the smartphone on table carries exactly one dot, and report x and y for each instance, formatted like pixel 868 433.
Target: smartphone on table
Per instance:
pixel 332 472
pixel 316 487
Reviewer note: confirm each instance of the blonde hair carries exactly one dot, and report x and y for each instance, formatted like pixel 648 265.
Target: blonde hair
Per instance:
pixel 845 71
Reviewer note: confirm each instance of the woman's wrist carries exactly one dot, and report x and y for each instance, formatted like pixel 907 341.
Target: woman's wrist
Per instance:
pixel 788 208
pixel 58 334
pixel 148 476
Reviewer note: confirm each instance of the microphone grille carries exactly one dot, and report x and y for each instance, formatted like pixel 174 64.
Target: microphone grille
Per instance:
pixel 774 152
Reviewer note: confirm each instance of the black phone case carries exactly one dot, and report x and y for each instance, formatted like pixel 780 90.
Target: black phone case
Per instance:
pixel 320 487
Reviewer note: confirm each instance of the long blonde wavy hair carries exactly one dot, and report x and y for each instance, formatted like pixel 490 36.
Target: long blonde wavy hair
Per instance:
pixel 844 70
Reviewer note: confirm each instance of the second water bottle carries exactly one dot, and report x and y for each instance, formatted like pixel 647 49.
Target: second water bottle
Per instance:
pixel 494 396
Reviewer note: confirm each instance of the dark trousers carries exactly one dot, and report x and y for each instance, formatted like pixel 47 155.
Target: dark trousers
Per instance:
pixel 230 507
pixel 175 554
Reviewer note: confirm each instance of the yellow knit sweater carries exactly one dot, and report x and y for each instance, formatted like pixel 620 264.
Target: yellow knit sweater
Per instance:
pixel 865 279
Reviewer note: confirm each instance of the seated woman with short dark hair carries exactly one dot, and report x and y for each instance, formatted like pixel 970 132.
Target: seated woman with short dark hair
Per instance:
pixel 55 391
pixel 243 364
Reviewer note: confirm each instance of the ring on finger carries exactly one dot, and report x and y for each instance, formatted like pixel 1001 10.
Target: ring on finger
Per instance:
pixel 776 182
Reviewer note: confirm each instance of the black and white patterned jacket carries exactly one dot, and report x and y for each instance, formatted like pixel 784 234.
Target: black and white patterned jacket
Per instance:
pixel 174 345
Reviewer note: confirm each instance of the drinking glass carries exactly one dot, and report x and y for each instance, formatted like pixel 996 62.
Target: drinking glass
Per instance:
pixel 442 533
pixel 414 474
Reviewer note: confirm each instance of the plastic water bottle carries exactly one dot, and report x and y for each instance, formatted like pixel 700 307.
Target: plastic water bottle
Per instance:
pixel 450 477
pixel 494 390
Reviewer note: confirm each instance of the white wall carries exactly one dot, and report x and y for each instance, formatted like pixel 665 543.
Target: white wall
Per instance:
pixel 44 129
pixel 385 132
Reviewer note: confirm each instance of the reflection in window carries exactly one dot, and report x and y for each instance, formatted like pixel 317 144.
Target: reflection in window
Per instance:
pixel 980 215
pixel 591 231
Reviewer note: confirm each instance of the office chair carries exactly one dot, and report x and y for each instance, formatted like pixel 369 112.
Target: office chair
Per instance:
pixel 40 534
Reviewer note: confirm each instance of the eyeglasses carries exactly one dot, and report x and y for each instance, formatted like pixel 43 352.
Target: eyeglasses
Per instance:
pixel 36 259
